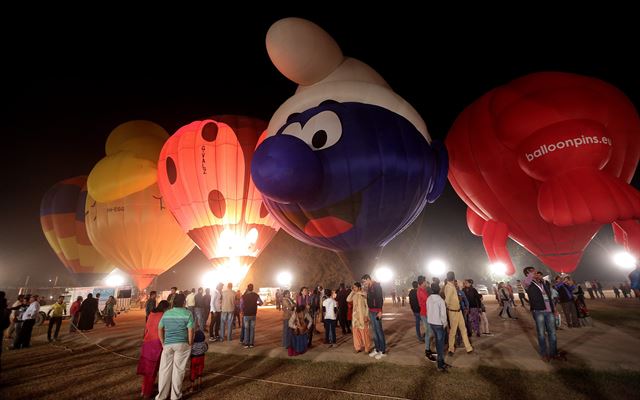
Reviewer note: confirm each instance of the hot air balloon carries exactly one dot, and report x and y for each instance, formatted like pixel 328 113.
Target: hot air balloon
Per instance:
pixel 126 218
pixel 138 234
pixel 347 164
pixel 62 220
pixel 546 161
pixel 204 177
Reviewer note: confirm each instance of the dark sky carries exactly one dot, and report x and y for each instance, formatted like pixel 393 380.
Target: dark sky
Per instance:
pixel 67 89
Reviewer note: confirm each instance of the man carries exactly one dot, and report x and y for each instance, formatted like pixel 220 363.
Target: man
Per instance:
pixel 587 285
pixel 175 332
pixel 422 302
pixel 14 314
pixel 98 313
pixel 565 288
pixel 542 310
pixel 415 308
pixel 634 279
pixel 191 302
pixel 375 300
pixel 456 319
pixel 600 287
pixel 343 307
pixel 437 318
pixel 56 312
pixel 521 292
pixel 216 313
pixel 172 295
pixel 151 304
pixel 228 307
pixel 200 308
pixel 28 321
pixel 206 308
pixel 17 319
pixel 250 303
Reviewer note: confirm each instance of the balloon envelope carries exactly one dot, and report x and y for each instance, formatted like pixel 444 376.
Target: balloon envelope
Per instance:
pixel 63 224
pixel 137 233
pixel 204 176
pixel 546 160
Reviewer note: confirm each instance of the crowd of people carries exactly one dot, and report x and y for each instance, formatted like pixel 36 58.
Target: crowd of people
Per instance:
pixel 447 316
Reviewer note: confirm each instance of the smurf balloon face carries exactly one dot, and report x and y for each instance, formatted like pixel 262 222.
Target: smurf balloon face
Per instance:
pixel 347 176
pixel 347 164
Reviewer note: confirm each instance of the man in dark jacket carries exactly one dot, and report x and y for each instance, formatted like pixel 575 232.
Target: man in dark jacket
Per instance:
pixel 375 299
pixel 543 311
pixel 415 308
pixel 250 303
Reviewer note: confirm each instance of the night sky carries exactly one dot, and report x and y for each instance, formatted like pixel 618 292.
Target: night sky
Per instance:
pixel 63 97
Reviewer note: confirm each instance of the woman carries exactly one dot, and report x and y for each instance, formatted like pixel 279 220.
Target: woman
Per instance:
pixel 75 314
pixel 88 311
pixel 110 312
pixel 151 350
pixel 300 323
pixel 287 310
pixel 359 318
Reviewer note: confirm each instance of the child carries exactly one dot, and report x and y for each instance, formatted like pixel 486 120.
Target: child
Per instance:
pixel 198 350
pixel 330 308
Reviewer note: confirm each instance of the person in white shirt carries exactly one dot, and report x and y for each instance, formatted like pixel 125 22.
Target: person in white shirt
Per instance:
pixel 191 302
pixel 437 319
pixel 330 308
pixel 28 319
pixel 216 313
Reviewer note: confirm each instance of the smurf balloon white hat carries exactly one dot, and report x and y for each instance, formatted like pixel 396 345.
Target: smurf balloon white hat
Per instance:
pixel 307 55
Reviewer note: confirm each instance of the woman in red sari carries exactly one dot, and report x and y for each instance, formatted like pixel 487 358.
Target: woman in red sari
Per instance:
pixel 75 315
pixel 151 350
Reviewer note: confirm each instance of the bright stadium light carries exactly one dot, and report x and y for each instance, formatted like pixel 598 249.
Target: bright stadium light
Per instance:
pixel 498 268
pixel 436 267
pixel 284 279
pixel 624 260
pixel 383 274
pixel 114 280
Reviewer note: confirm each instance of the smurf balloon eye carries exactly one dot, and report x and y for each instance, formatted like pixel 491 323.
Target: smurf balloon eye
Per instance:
pixel 322 130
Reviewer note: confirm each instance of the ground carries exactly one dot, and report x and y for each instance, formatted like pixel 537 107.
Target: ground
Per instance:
pixel 603 362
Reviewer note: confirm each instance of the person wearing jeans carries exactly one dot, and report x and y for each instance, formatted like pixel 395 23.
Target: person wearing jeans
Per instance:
pixel 250 303
pixel 437 318
pixel 228 307
pixel 330 308
pixel 375 300
pixel 543 312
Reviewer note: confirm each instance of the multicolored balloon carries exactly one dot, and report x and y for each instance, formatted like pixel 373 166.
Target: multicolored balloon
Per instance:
pixel 347 164
pixel 546 160
pixel 204 177
pixel 62 220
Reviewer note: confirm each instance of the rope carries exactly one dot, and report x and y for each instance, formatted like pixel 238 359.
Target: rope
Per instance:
pixel 381 396
pixel 95 344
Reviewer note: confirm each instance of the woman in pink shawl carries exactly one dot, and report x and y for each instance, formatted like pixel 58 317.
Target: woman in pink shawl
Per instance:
pixel 151 350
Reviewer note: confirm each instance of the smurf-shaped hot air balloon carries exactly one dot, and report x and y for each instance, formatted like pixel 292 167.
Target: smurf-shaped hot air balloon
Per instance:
pixel 347 164
pixel 546 160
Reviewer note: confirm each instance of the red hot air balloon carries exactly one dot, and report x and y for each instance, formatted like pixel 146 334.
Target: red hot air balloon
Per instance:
pixel 546 161
pixel 63 224
pixel 204 177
